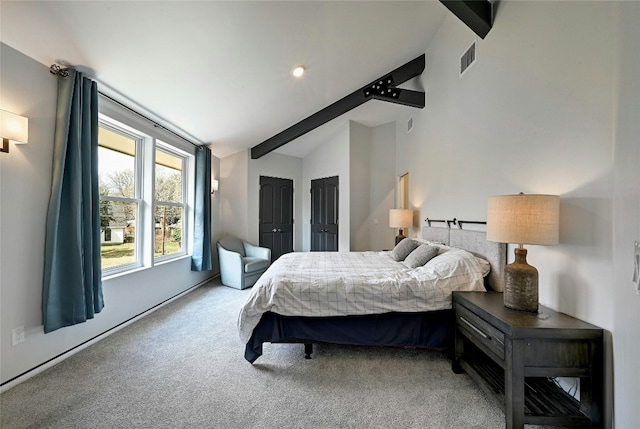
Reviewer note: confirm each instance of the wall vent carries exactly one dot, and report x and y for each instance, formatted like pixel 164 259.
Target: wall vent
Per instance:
pixel 468 58
pixel 410 124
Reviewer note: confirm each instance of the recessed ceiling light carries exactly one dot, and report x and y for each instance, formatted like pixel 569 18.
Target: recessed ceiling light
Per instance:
pixel 298 71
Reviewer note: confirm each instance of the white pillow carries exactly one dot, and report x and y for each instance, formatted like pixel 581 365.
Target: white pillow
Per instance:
pixel 433 243
pixel 485 265
pixel 453 269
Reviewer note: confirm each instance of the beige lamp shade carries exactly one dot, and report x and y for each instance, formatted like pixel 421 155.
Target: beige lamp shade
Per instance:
pixel 523 219
pixel 13 127
pixel 400 218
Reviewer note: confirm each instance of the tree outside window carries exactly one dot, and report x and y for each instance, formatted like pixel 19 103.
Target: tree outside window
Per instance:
pixel 169 203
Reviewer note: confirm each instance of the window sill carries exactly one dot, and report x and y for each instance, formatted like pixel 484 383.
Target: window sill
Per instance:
pixel 109 276
pixel 170 259
pixel 138 269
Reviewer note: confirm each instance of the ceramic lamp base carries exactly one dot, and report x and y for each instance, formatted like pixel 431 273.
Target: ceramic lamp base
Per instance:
pixel 399 237
pixel 521 284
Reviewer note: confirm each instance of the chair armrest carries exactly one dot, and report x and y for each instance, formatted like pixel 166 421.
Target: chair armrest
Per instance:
pixel 229 258
pixel 231 267
pixel 256 251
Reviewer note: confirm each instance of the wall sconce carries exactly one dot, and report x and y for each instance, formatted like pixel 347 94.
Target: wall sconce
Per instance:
pixel 13 128
pixel 214 186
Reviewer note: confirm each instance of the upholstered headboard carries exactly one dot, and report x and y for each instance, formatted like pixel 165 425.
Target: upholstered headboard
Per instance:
pixel 476 243
pixel 439 235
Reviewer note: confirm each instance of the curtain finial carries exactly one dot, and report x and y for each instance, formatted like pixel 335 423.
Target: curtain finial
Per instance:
pixel 58 70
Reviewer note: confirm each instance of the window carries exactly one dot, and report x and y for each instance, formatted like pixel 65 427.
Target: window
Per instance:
pixel 145 193
pixel 119 197
pixel 169 204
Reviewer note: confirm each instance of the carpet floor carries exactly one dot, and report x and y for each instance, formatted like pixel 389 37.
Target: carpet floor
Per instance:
pixel 182 366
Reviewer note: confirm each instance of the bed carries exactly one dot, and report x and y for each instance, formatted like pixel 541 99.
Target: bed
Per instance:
pixel 368 298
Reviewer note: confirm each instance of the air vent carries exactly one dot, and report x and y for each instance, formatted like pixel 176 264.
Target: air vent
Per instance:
pixel 410 124
pixel 468 58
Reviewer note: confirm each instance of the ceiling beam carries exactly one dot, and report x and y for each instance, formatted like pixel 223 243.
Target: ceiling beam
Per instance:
pixel 476 14
pixel 380 89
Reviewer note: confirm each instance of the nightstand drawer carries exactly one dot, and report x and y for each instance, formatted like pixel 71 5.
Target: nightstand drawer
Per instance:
pixel 480 331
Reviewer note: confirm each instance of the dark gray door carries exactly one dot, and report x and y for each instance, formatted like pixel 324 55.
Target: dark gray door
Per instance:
pixel 324 214
pixel 276 215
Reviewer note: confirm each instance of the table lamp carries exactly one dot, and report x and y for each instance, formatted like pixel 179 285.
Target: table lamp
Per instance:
pixel 523 219
pixel 400 218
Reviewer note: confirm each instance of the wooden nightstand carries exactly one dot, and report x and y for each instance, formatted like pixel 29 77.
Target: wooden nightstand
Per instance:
pixel 515 355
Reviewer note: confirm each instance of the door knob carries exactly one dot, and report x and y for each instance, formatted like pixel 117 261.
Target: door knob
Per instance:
pixel 274 230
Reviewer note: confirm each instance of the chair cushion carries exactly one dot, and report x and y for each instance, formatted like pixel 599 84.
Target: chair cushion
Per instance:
pixel 254 264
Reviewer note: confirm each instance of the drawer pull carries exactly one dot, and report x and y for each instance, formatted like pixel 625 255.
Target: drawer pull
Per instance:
pixel 472 326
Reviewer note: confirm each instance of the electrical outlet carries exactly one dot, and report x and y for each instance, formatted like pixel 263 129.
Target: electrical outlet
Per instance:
pixel 17 335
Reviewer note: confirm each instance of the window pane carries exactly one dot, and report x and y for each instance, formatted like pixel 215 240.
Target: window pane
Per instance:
pixel 168 177
pixel 168 230
pixel 118 233
pixel 116 164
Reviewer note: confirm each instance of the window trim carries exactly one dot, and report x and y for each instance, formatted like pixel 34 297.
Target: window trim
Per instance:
pixel 186 223
pixel 138 138
pixel 148 137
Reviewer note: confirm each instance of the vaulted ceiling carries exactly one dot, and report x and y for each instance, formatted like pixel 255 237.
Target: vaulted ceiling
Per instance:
pixel 218 72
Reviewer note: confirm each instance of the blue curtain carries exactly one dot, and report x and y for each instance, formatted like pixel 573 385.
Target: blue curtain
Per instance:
pixel 72 290
pixel 201 259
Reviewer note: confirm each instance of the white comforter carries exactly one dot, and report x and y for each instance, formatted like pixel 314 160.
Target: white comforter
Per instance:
pixel 357 283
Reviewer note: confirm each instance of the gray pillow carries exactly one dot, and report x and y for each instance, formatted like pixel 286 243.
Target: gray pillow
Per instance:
pixel 403 249
pixel 423 254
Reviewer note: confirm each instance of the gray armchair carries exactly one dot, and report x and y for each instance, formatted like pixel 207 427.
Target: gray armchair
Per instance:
pixel 241 263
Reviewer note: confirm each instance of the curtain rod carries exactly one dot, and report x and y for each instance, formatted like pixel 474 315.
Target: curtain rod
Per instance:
pixel 64 73
pixel 155 124
pixel 455 221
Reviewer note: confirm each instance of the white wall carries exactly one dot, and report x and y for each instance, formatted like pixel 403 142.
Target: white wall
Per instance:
pixel 373 182
pixel 216 219
pixel 328 160
pixel 383 186
pixel 233 194
pixel 535 114
pixel 532 115
pixel 626 217
pixel 283 167
pixel 359 184
pixel 25 179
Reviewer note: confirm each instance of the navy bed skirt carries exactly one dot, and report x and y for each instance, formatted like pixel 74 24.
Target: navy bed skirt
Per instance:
pixel 424 330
